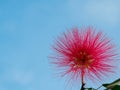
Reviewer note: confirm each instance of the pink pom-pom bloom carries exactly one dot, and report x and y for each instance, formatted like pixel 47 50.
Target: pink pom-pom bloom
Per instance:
pixel 83 54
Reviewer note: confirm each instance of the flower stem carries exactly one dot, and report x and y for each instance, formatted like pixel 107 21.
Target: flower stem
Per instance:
pixel 83 84
pixel 82 87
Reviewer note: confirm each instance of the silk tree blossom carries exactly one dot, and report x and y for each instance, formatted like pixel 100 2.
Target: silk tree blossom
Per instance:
pixel 84 53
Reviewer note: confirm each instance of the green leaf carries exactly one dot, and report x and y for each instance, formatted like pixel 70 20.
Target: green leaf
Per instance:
pixel 117 87
pixel 90 89
pixel 113 84
pixel 105 85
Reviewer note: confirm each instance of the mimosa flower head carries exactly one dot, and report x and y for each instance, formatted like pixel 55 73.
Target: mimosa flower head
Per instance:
pixel 84 53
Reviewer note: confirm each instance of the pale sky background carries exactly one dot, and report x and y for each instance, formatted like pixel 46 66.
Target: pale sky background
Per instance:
pixel 28 29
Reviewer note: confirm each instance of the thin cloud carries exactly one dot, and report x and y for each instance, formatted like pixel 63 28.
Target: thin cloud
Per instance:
pixel 104 11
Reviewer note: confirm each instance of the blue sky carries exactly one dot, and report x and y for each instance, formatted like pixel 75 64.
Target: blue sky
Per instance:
pixel 28 28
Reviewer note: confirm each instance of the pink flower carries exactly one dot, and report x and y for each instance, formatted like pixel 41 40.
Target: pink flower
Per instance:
pixel 84 54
